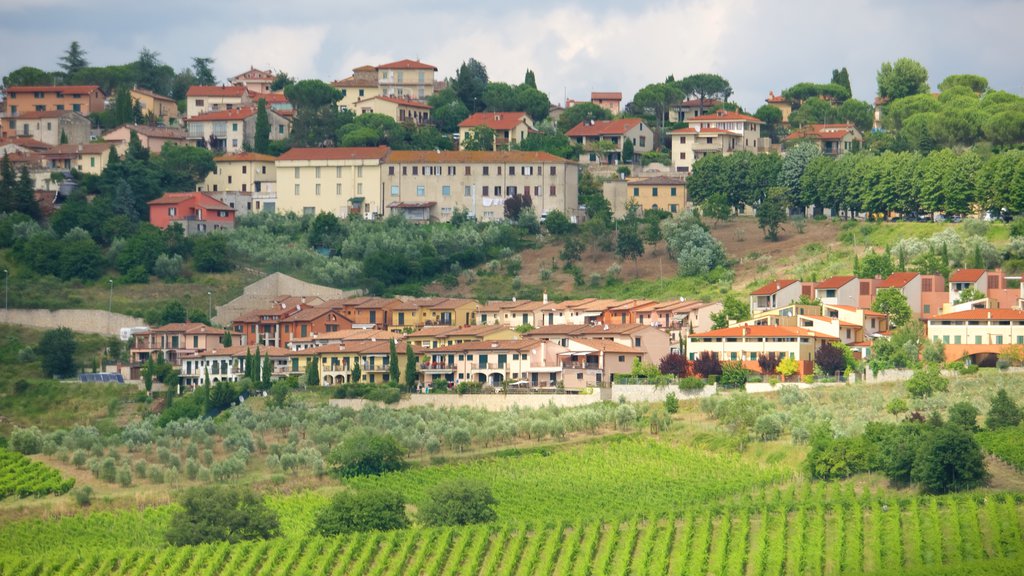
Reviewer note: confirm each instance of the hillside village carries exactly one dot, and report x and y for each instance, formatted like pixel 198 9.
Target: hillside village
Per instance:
pixel 424 355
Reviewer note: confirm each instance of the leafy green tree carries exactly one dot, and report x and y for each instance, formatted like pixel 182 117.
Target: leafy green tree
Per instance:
pixel 373 509
pixel 926 381
pixel 656 100
pixel 203 70
pixel 313 372
pixel 28 76
pixel 366 452
pixel 151 73
pixel 772 213
pixel 281 81
pixel 411 376
pixel 317 119
pixel 772 118
pixel 469 84
pixel 357 373
pixel 56 349
pixel 695 250
pixel 627 150
pixel 970 294
pixel 1004 412
pixel 949 460
pixel 628 242
pixel 448 110
pixel 859 113
pixel 804 92
pixel 580 112
pixel 279 393
pixel 893 303
pixel 480 138
pixel 876 265
pixel 652 234
pixel 705 86
pixel 787 367
pixel 830 359
pixel 902 78
pixel 530 79
pixel 210 253
pixel 222 396
pixel 716 207
pixel 558 223
pixel 842 78
pixel 221 513
pixel 975 83
pixel 261 140
pixel 965 415
pixel 183 167
pixel 792 169
pixel 458 502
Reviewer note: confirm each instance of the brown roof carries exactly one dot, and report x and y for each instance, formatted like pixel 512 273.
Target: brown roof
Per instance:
pixel 241 351
pixel 215 91
pixel 834 282
pixel 230 114
pixel 698 102
pixel 30 143
pixel 494 120
pixel 357 347
pixel 355 82
pixel 75 149
pixel 156 131
pixel 399 101
pixel 605 96
pixel 755 331
pixel 607 346
pixel 201 199
pixel 486 345
pixel 471 157
pixel 187 327
pixel 725 115
pixel 352 335
pixel 822 132
pixel 897 280
pixel 87 89
pixel 702 131
pixel 34 114
pixel 377 153
pixel 407 65
pixel 967 275
pixel 245 157
pixel 663 180
pixel 772 287
pixel 981 314
pixel 152 94
pixel 604 127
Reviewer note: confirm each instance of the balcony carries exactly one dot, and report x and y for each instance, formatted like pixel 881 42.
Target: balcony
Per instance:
pixel 491 366
pixel 435 367
pixel 580 366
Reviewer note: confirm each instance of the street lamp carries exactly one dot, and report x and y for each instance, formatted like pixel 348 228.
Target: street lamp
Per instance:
pixel 110 303
pixel 209 313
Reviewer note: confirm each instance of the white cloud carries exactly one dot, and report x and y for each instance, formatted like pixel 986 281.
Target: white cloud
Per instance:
pixel 289 48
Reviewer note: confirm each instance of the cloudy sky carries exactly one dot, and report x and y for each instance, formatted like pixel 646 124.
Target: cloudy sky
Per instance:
pixel 573 46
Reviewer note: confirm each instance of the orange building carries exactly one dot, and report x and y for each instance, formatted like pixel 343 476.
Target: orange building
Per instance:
pixel 85 100
pixel 195 211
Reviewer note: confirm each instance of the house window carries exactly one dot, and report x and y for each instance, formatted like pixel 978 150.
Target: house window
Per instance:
pixel 316 172
pixel 499 170
pixel 672 192
pixel 296 172
pixel 536 190
pixel 487 170
pixel 234 142
pixel 280 129
pixel 337 189
pixel 337 171
pixel 199 102
pixel 486 191
pixel 654 191
pixel 391 170
pixel 420 191
pixel 673 208
pixel 245 169
pixel 296 189
pixel 553 171
pixel 497 190
pixel 172 211
pixel 229 179
pixel 317 188
pixel 234 126
pixel 643 141
pixel 446 190
pixel 551 192
pixel 468 192
pixel 415 170
pixel 469 170
pixel 511 170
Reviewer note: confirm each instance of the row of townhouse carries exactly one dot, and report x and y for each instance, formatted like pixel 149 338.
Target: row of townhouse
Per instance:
pixel 927 295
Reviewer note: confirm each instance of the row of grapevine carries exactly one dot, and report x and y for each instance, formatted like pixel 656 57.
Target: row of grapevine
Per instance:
pixel 1005 443
pixel 755 541
pixel 23 477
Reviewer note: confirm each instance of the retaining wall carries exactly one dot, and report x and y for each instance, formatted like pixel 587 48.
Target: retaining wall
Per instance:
pixel 87 321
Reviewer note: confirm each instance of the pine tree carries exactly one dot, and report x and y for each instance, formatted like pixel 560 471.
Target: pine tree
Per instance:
pixel 530 79
pixel 203 71
pixel 206 389
pixel 313 372
pixel 357 372
pixel 261 143
pixel 257 371
pixel 72 61
pixel 8 181
pixel 23 198
pixel 63 136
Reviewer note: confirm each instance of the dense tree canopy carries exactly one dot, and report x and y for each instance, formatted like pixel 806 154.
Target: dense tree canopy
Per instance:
pixel 902 78
pixel 221 513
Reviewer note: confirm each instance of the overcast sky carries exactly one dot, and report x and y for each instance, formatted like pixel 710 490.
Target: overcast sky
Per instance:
pixel 574 47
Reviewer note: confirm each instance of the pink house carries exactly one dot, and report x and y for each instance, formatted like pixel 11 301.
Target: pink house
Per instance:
pixel 195 211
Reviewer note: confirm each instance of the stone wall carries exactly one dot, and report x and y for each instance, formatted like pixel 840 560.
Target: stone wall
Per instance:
pixel 260 293
pixel 87 321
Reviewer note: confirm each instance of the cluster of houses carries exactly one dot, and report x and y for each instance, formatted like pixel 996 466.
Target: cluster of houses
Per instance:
pixel 792 319
pixel 47 129
pixel 542 344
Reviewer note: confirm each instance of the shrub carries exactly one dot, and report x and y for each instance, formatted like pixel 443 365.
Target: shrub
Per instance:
pixel 458 502
pixel 965 415
pixel 734 375
pixel 691 383
pixel 215 513
pixel 830 359
pixel 926 381
pixel 671 403
pixel 768 363
pixel 949 460
pixel 83 496
pixel 832 459
pixel 1002 363
pixel 896 406
pixel 1004 412
pixel 372 509
pixel 57 350
pixel 707 364
pixel 364 452
pixel 768 427
pixel 674 364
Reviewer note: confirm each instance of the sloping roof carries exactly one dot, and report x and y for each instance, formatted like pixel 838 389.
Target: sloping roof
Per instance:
pixel 241 351
pixel 605 96
pixel 834 282
pixel 855 309
pixel 84 89
pixel 158 131
pixel 24 142
pixel 494 120
pixel 355 82
pixel 981 314
pixel 608 346
pixel 232 114
pixel 269 97
pixel 245 157
pixel 755 331
pixel 696 103
pixel 377 153
pixel 822 132
pixel 399 101
pixel 407 65
pixel 254 74
pixel 76 149
pixel 200 199
pixel 36 114
pixel 772 287
pixel 471 157
pixel 967 275
pixel 352 335
pixel 487 345
pixel 188 327
pixel 898 280
pixel 661 180
pixel 152 94
pixel 604 127
pixel 725 116
pixel 215 91
pixel 695 130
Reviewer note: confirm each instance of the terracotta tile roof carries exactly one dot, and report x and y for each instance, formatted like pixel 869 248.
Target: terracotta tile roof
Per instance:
pixel 152 94
pixel 834 282
pixel 399 101
pixel 471 157
pixel 773 99
pixel 30 143
pixel 76 149
pixel 696 103
pixel 855 309
pixel 358 347
pixel 187 327
pixel 772 287
pixel 605 96
pixel 255 74
pixel 487 345
pixel 86 89
pixel 245 157
pixel 218 115
pixel 216 91
pixel 822 132
pixel 967 275
pixel 820 318
pixel 898 280
pixel 725 116
pixel 607 346
pixel 981 314
pixel 355 82
pixel 703 131
pixel 352 335
pixel 754 331
pixel 200 198
pixel 407 65
pixel 664 180
pixel 378 153
pixel 155 131
pixel 269 97
pixel 241 351
pixel 613 329
pixel 604 127
pixel 35 114
pixel 494 120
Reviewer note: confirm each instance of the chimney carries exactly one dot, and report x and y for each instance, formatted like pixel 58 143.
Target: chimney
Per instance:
pixel 545 297
pixel 513 298
pixel 990 314
pixel 744 330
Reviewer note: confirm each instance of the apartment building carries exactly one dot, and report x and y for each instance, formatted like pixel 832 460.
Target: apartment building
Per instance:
pixel 774 295
pixel 173 342
pixel 720 132
pixel 493 362
pixel 203 99
pixel 338 361
pixel 509 128
pixel 161 108
pixel 252 176
pixel 401 110
pixel 665 192
pixel 227 364
pixel 361 85
pixel 406 79
pixel 232 130
pixel 254 80
pixel 196 212
pixel 53 127
pixel 977 336
pixel 746 344
pixel 831 139
pixel 340 181
pixel 685 110
pixel 84 100
pixel 85 158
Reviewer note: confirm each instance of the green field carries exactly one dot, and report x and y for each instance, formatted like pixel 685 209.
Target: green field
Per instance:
pixel 22 477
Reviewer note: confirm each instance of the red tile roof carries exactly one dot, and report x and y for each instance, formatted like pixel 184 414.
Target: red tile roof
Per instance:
pixel 76 149
pixel 604 127
pixel 696 103
pixel 167 132
pixel 703 131
pixel 407 65
pixel 232 114
pixel 36 114
pixel 606 96
pixel 399 101
pixel 897 280
pixel 967 275
pixel 30 143
pixel 270 97
pixel 981 314
pixel 152 94
pixel 494 120
pixel 772 287
pixel 377 153
pixel 608 346
pixel 663 180
pixel 87 89
pixel 834 282
pixel 245 157
pixel 471 157
pixel 822 132
pixel 200 198
pixel 754 331
pixel 215 91
pixel 725 116
pixel 355 82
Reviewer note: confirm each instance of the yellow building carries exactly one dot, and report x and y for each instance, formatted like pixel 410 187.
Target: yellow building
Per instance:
pixel 86 158
pixel 203 99
pixel 509 128
pixel 748 343
pixel 978 335
pixel 406 79
pixel 720 132
pixel 659 192
pixel 781 103
pixel 337 361
pixel 401 110
pixel 245 172
pixel 361 85
pixel 340 181
pixel 430 337
pixel 535 362
pixel 161 108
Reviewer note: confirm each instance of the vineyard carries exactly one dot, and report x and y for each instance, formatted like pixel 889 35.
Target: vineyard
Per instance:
pixel 1007 444
pixel 841 536
pixel 23 477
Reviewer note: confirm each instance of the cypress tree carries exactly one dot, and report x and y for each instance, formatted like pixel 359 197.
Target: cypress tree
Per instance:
pixel 410 367
pixel 23 198
pixel 261 141
pixel 247 372
pixel 256 372
pixel 268 370
pixel 393 369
